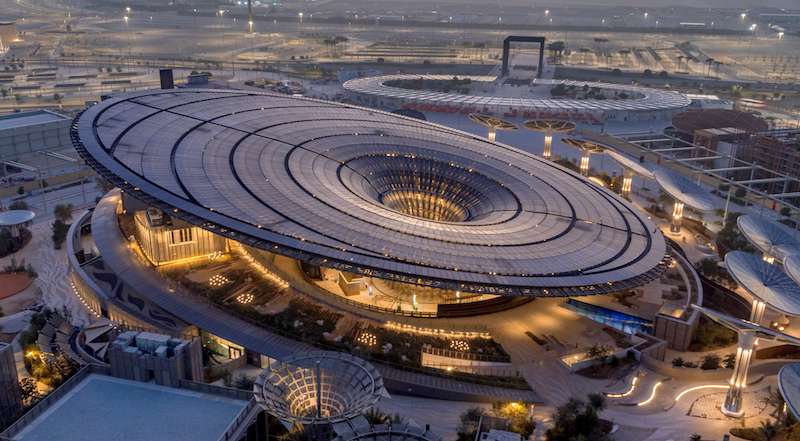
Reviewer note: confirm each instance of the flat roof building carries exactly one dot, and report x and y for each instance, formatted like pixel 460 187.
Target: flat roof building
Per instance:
pixel 98 407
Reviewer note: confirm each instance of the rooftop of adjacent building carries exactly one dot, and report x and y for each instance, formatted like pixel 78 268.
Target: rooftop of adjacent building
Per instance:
pixel 149 343
pixel 106 408
pixel 698 119
pixel 23 119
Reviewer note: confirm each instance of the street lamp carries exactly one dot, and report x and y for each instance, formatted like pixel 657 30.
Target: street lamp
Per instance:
pixel 645 15
pixel 744 15
pixel 128 9
pixel 300 14
pixel 546 12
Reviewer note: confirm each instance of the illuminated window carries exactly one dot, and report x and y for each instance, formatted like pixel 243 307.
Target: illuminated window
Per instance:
pixel 181 236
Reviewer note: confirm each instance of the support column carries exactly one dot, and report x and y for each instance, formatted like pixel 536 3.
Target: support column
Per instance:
pixel 677 215
pixel 738 381
pixel 492 134
pixel 548 144
pixel 757 312
pixel 584 164
pixel 627 183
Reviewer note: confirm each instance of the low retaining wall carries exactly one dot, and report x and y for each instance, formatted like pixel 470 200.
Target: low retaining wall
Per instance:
pixel 479 367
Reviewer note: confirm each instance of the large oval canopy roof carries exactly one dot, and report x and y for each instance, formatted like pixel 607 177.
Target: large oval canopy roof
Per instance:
pixel 765 281
pixel 685 190
pixel 647 99
pixel 357 189
pixel 772 238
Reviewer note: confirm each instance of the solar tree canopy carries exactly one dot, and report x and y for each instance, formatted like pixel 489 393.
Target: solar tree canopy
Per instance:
pixel 492 121
pixel 369 192
pixel 791 265
pixel 685 190
pixel 553 125
pixel 11 218
pixel 319 387
pixel 631 164
pixel 772 238
pixel 789 387
pixel 765 281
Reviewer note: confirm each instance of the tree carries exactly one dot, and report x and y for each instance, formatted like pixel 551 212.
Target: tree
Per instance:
pixel 710 361
pixel 578 420
pixel 468 423
pixel 29 391
pixel 63 212
pixel 60 230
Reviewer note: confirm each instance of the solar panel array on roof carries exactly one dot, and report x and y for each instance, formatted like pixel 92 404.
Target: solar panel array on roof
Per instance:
pixel 332 184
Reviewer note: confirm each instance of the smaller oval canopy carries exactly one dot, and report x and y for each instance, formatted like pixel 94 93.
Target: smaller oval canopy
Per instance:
pixel 683 189
pixel 789 386
pixel 554 125
pixel 631 164
pixel 491 121
pixel 15 217
pixel 791 265
pixel 772 238
pixel 767 282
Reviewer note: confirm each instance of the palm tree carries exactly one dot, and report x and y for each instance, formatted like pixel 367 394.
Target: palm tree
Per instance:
pixel 63 212
pixel 597 401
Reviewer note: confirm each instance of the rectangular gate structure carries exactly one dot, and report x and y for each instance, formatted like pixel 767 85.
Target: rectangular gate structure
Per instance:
pixel 522 39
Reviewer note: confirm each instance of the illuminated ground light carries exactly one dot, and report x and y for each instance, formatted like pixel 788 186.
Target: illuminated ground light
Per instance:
pixel 367 339
pixel 245 298
pixel 627 392
pixel 703 386
pixel 459 345
pixel 218 280
pixel 435 332
pixel 651 397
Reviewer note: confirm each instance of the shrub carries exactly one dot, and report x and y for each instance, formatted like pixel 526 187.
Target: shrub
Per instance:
pixel 710 362
pixel 677 362
pixel 729 361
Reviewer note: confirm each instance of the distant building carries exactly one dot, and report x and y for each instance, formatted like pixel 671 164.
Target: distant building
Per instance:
pixel 689 122
pixel 8 34
pixel 709 102
pixel 94 406
pixel 778 150
pixel 726 141
pixel 145 356
pixel 28 132
pixel 10 398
